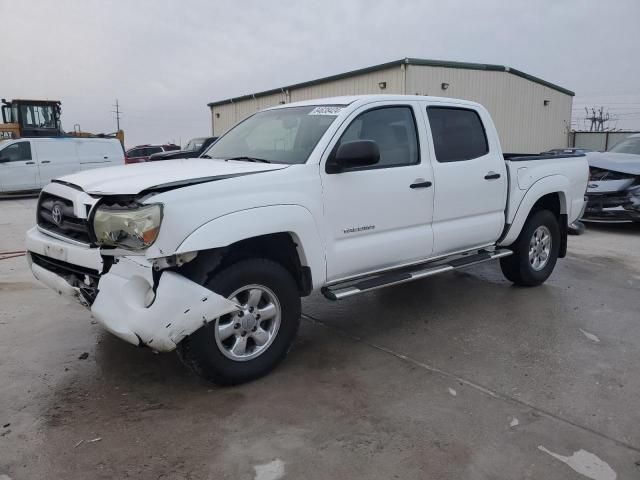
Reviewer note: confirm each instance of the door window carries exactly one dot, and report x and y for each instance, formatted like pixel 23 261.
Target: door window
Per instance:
pixel 394 131
pixel 17 152
pixel 458 134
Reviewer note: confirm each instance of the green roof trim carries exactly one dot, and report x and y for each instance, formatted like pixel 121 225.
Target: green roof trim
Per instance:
pixel 396 63
pixel 539 80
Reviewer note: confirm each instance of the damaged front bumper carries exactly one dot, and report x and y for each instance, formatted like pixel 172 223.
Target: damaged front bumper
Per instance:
pixel 612 207
pixel 124 300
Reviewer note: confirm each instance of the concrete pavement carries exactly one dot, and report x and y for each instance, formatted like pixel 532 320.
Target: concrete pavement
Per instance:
pixel 458 376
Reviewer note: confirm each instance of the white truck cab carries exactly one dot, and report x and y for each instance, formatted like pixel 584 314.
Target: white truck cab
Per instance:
pixel 342 195
pixel 31 163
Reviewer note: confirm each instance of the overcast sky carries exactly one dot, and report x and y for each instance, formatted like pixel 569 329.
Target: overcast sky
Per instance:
pixel 164 60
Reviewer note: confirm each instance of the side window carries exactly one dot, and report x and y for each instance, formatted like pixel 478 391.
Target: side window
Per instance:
pixel 17 152
pixel 134 153
pixel 393 129
pixel 152 150
pixel 458 134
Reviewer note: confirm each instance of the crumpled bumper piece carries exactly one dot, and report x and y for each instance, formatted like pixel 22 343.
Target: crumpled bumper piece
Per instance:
pixel 57 283
pixel 179 308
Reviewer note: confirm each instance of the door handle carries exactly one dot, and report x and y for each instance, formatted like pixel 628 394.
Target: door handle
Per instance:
pixel 492 176
pixel 105 157
pixel 420 184
pixel 29 163
pixel 46 161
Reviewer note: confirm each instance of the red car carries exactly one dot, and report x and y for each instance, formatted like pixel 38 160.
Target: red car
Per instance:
pixel 141 153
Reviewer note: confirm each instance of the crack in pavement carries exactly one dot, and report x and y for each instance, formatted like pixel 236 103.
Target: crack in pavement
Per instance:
pixel 476 386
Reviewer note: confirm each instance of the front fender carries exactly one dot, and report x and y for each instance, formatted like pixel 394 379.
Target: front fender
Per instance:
pixel 293 219
pixel 551 184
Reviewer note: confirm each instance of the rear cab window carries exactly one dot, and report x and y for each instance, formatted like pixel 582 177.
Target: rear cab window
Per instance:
pixel 458 134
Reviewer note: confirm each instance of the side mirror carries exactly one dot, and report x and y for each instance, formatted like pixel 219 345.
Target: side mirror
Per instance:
pixel 358 153
pixel 4 160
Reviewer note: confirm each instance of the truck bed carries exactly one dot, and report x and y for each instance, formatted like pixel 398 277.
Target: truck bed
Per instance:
pixel 522 157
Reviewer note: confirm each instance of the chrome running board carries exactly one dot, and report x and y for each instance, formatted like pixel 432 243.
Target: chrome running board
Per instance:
pixel 403 275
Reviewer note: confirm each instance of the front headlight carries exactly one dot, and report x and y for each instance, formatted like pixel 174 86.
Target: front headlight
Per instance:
pixel 125 227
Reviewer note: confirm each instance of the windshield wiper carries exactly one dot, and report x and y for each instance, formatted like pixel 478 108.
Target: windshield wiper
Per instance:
pixel 248 159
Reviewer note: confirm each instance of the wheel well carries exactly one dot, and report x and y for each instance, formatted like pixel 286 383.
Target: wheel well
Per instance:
pixel 551 202
pixel 279 247
pixel 554 203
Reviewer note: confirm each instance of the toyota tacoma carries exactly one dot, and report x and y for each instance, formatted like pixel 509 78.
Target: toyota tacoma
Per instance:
pixel 211 256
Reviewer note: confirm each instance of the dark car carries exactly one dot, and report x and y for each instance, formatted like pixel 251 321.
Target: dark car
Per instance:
pixel 141 153
pixel 194 148
pixel 613 191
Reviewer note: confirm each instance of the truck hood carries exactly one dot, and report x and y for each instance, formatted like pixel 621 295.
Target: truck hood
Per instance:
pixel 139 177
pixel 617 162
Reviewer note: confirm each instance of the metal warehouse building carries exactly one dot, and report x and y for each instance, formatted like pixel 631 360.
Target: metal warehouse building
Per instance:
pixel 531 114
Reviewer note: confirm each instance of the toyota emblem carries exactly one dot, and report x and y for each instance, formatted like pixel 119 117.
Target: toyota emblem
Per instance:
pixel 56 214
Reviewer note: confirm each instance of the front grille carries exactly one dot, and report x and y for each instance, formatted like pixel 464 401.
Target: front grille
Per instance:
pixel 63 221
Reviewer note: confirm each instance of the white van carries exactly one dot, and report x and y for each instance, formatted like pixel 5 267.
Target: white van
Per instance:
pixel 31 163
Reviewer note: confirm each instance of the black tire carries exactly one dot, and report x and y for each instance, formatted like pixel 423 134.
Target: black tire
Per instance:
pixel 200 351
pixel 517 268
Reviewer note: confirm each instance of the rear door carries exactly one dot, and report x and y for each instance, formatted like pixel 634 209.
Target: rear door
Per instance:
pixel 18 168
pixel 470 178
pixel 94 153
pixel 379 216
pixel 56 157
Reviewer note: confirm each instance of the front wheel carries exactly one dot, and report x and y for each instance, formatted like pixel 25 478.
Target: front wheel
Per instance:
pixel 247 344
pixel 535 252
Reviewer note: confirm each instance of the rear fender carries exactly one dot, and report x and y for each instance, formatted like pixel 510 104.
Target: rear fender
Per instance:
pixel 552 184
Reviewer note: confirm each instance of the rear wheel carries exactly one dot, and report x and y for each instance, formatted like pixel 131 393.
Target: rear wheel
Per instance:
pixel 535 252
pixel 247 344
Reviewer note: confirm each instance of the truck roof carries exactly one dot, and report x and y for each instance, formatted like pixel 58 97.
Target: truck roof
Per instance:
pixel 349 99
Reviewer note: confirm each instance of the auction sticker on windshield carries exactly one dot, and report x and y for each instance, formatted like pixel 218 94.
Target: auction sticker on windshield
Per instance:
pixel 326 110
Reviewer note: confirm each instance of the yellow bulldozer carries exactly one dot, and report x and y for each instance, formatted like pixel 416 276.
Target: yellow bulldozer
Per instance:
pixel 40 118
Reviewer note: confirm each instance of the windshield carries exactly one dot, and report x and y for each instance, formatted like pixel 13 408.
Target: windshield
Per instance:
pixel 284 135
pixel 38 116
pixel 628 145
pixel 194 144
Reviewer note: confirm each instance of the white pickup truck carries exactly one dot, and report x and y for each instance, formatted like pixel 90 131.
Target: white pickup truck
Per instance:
pixel 342 195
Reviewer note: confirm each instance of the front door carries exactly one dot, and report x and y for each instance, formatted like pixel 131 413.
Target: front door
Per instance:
pixel 379 216
pixel 470 178
pixel 18 169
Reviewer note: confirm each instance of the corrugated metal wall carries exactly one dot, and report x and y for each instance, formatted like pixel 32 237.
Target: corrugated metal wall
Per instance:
pixel 516 104
pixel 357 85
pixel 225 116
pixel 524 123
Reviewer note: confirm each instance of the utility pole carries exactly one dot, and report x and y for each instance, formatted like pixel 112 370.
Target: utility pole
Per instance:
pixel 117 112
pixel 598 119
